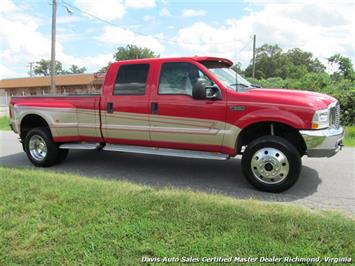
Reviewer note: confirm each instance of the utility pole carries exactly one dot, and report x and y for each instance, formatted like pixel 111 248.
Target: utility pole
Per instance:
pixel 31 68
pixel 53 66
pixel 254 40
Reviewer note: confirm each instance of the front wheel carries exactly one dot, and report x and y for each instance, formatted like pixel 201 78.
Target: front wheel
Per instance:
pixel 40 148
pixel 271 164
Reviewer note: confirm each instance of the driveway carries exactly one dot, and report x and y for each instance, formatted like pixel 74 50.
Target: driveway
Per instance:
pixel 325 183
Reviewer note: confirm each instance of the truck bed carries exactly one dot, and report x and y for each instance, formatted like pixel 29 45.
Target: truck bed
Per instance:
pixel 70 118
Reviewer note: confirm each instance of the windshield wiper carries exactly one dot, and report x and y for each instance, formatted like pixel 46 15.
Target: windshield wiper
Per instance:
pixel 239 84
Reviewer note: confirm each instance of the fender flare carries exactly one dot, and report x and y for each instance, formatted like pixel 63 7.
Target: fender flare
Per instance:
pixel 271 115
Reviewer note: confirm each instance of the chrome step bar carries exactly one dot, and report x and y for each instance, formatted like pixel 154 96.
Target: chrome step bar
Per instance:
pixel 166 152
pixel 80 146
pixel 147 150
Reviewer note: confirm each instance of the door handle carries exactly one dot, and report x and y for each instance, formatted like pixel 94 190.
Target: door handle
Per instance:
pixel 110 108
pixel 154 108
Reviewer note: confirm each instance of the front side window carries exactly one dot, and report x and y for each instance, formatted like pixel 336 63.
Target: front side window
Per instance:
pixel 179 78
pixel 131 80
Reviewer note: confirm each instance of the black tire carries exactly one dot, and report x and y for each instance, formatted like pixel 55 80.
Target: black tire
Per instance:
pixel 291 164
pixel 52 155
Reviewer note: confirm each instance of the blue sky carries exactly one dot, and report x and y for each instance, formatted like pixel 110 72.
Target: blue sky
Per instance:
pixel 170 28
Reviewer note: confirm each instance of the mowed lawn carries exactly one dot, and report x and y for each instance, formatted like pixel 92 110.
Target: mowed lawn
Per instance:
pixel 52 218
pixel 349 139
pixel 4 123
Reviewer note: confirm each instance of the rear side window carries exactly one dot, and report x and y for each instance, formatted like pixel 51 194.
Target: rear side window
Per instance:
pixel 131 79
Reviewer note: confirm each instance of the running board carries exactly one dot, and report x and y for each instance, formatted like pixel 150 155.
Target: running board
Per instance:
pixel 80 146
pixel 166 152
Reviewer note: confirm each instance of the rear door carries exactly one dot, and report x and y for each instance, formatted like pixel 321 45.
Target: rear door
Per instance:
pixel 179 121
pixel 125 106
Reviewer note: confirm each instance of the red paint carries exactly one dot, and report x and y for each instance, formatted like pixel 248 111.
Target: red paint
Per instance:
pixel 292 107
pixel 77 138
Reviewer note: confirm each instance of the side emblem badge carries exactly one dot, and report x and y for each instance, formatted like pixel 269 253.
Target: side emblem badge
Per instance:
pixel 237 108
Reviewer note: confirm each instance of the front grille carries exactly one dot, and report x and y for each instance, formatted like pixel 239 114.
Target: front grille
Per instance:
pixel 334 115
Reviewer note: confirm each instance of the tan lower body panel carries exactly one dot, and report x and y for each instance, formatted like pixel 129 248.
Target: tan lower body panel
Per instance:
pixel 65 122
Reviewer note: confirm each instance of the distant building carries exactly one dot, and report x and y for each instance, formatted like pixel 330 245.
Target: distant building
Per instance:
pixel 65 84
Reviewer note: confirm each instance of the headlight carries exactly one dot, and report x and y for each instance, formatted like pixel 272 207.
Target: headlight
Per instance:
pixel 320 119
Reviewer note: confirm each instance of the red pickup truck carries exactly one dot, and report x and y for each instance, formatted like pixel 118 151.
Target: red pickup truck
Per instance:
pixel 195 107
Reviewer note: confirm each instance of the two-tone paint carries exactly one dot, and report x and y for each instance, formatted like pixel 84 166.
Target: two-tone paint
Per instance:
pixel 181 121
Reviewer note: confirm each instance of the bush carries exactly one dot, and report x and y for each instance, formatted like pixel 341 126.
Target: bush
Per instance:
pixel 347 104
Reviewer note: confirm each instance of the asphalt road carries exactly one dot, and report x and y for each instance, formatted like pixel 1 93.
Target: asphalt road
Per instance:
pixel 325 183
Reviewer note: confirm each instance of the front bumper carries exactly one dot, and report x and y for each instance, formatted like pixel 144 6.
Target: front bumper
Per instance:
pixel 324 142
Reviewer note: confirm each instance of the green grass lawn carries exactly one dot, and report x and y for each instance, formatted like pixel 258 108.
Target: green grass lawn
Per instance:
pixel 349 139
pixel 4 123
pixel 52 218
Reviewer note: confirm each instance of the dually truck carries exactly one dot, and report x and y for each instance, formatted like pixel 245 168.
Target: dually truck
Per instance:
pixel 194 107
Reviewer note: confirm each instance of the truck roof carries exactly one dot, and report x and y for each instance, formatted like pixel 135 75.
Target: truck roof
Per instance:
pixel 195 58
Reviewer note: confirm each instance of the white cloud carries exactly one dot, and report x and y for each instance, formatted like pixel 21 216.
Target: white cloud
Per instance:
pixel 193 12
pixel 21 42
pixel 149 18
pixel 203 39
pixel 120 36
pixel 112 9
pixel 90 62
pixel 6 72
pixel 68 19
pixel 140 3
pixel 105 9
pixel 323 28
pixel 7 6
pixel 164 12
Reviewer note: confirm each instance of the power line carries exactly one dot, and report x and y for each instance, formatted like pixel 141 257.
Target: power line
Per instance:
pixel 65 4
pixel 246 45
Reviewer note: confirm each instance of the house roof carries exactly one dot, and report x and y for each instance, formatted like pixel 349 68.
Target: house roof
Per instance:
pixel 60 80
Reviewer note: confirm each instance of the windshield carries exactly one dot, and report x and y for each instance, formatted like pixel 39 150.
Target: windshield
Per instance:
pixel 231 79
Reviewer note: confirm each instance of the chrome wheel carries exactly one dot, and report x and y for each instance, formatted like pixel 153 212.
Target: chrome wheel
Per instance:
pixel 269 165
pixel 37 147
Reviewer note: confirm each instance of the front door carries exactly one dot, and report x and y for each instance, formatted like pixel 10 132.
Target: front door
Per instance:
pixel 179 121
pixel 125 113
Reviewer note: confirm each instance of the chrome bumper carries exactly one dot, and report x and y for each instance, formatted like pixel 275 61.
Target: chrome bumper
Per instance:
pixel 324 142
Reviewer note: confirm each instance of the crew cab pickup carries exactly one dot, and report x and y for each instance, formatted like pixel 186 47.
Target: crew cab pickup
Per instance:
pixel 195 107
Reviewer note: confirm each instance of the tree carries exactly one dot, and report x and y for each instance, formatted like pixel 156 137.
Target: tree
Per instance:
pixel 271 61
pixel 344 67
pixel 105 68
pixel 237 68
pixel 133 52
pixel 74 69
pixel 130 52
pixel 43 67
pixel 267 59
pixel 301 58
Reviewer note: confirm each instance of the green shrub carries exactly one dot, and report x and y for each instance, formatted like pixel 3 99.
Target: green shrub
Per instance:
pixel 347 104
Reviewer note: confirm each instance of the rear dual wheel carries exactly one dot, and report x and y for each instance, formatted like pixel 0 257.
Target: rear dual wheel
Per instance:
pixel 271 164
pixel 41 150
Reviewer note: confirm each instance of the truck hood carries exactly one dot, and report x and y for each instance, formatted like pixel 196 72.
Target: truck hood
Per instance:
pixel 299 98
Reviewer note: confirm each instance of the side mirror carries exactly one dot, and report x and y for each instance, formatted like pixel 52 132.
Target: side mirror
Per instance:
pixel 202 90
